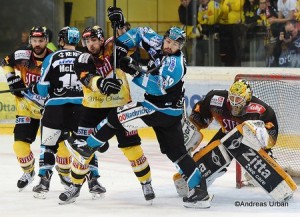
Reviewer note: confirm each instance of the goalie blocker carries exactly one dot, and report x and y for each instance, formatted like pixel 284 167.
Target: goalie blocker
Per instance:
pixel 213 159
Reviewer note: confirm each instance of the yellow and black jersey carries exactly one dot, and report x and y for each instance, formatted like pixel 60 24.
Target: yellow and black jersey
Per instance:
pixel 90 68
pixel 23 63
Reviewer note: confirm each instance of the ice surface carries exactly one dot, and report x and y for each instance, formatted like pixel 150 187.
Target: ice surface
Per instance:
pixel 124 195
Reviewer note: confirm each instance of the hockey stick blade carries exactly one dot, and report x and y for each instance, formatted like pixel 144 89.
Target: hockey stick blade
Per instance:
pixel 9 91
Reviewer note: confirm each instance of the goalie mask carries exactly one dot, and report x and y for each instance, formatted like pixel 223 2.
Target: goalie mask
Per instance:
pixel 239 95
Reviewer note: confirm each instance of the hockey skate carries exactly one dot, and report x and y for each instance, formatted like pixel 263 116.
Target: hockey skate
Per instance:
pixel 96 189
pixel 40 190
pixel 198 197
pixel 25 180
pixel 148 191
pixel 79 149
pixel 69 196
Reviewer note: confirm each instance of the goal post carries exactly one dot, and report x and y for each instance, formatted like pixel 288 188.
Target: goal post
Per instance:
pixel 282 93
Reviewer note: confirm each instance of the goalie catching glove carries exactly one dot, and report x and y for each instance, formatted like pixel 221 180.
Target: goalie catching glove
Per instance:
pixel 15 82
pixel 255 134
pixel 109 86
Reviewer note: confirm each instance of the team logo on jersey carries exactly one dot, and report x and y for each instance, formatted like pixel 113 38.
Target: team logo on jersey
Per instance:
pixel 23 120
pixel 255 108
pixel 217 101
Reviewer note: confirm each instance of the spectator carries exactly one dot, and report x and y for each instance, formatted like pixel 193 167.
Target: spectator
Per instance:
pixel 231 32
pixel 286 10
pixel 290 45
pixel 249 10
pixel 263 14
pixel 208 16
pixel 188 18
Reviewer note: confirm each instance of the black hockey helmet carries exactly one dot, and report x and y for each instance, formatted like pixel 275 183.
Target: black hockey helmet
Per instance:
pixel 38 31
pixel 92 31
pixel 70 35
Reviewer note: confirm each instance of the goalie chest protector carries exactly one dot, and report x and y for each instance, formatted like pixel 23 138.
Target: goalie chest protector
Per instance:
pixel 260 166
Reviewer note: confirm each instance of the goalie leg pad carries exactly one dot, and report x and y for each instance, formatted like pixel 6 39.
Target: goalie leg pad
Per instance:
pixel 212 161
pixel 260 166
pixel 192 137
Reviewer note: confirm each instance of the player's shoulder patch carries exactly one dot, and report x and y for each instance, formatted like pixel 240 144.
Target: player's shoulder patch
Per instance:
pixel 22 54
pixel 217 101
pixel 83 58
pixel 255 108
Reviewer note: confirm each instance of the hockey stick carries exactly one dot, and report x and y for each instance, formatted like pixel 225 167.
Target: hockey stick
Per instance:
pixel 115 47
pixel 9 91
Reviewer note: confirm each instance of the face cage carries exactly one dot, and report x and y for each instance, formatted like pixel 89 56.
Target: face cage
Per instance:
pixel 237 104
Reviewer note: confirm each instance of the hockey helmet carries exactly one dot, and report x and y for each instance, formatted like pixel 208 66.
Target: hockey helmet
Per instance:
pixel 70 35
pixel 91 32
pixel 38 31
pixel 239 95
pixel 176 34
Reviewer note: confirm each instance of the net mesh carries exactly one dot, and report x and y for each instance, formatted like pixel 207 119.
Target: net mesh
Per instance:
pixel 282 94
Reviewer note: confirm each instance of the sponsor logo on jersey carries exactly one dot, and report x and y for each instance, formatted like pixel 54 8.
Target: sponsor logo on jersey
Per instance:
pixel 30 77
pixel 255 108
pixel 23 120
pixel 229 124
pixel 22 54
pixel 133 113
pixel 84 131
pixel 217 101
pixel 172 64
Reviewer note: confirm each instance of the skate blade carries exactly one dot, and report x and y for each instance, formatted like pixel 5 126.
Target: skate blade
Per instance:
pixel 149 202
pixel 67 202
pixel 75 154
pixel 21 189
pixel 97 196
pixel 41 195
pixel 199 204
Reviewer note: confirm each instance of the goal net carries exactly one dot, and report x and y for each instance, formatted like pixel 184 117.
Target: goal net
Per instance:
pixel 282 93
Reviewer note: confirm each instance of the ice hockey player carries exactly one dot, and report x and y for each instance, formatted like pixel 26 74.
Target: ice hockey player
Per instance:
pixel 233 109
pixel 163 101
pixel 104 90
pixel 28 61
pixel 60 85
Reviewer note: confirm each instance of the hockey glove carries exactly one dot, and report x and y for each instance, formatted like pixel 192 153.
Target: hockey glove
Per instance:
pixel 109 86
pixel 130 66
pixel 116 17
pixel 15 82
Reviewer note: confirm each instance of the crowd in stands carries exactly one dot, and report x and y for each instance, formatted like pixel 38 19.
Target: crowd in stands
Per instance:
pixel 234 32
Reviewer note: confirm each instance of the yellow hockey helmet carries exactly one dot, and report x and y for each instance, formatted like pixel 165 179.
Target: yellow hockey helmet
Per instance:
pixel 239 95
